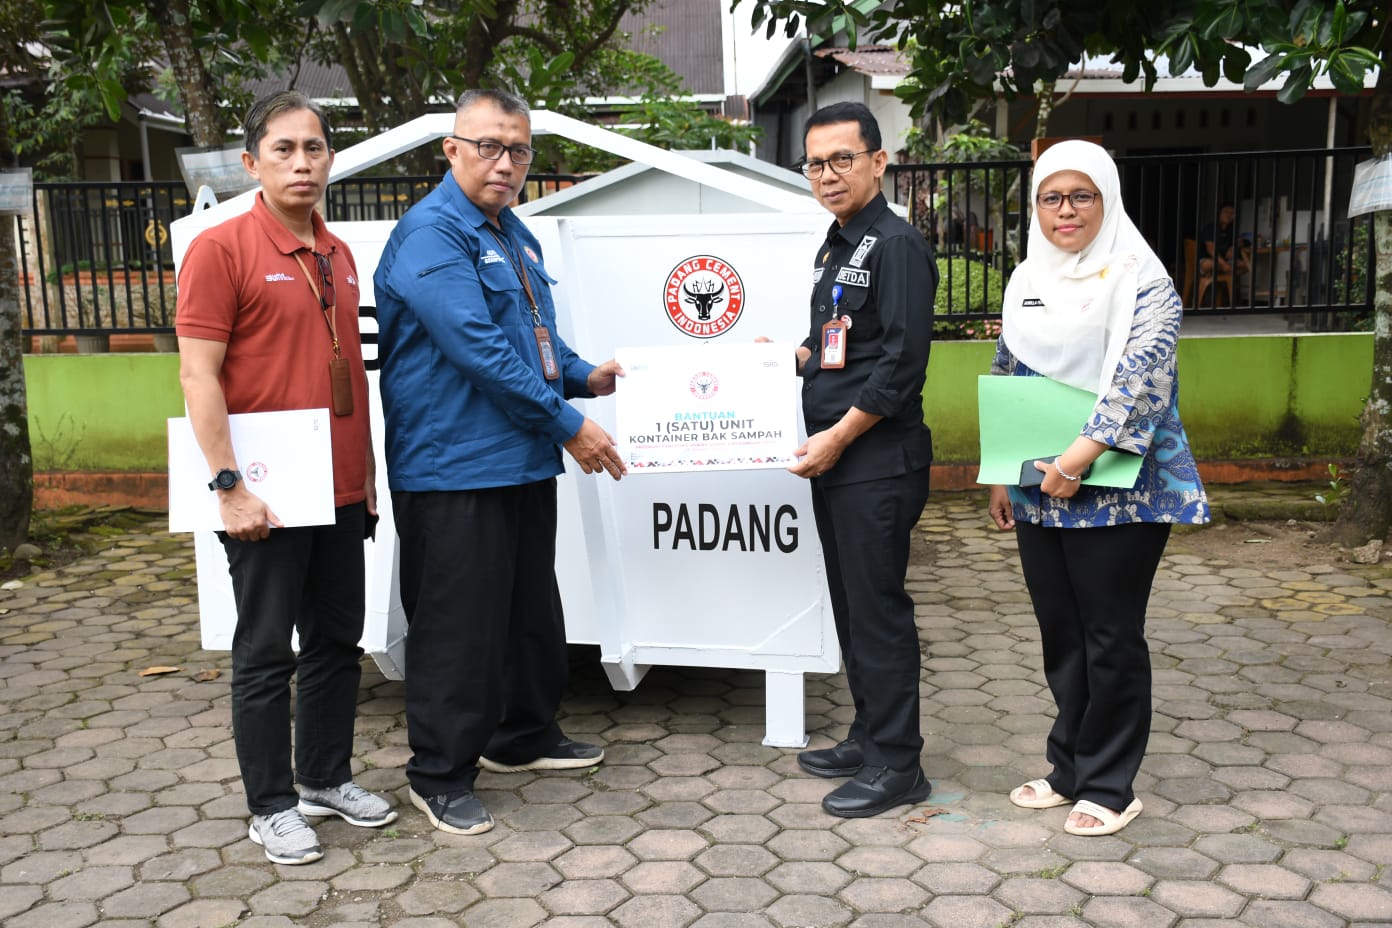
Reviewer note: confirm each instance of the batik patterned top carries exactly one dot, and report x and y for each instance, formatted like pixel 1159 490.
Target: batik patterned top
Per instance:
pixel 1140 415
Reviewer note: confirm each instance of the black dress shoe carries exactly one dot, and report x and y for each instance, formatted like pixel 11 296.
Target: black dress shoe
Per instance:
pixel 875 790
pixel 843 760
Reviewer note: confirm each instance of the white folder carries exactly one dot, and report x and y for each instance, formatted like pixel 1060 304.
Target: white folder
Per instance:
pixel 286 458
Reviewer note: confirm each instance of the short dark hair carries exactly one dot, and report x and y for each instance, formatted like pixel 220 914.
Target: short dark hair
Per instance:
pixel 268 108
pixel 846 112
pixel 509 103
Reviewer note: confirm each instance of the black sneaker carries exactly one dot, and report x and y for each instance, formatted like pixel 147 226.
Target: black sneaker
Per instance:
pixel 458 813
pixel 566 755
pixel 841 760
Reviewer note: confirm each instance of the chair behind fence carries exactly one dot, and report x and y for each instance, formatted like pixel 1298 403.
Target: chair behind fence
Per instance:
pixel 1295 251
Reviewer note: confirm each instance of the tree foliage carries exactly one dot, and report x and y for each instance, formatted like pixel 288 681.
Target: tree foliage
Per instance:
pixel 967 51
pixel 403 56
pixel 661 115
pixel 208 51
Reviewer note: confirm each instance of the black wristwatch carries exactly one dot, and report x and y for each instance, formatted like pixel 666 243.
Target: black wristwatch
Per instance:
pixel 226 479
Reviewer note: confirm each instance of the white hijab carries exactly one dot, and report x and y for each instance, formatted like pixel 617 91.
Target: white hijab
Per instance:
pixel 1068 314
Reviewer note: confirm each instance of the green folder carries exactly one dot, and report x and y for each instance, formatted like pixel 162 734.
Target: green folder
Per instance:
pixel 1025 418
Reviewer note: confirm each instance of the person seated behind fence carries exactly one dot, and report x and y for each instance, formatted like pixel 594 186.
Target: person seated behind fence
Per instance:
pixel 1221 245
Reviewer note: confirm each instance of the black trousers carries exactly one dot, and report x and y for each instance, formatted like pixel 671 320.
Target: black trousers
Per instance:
pixel 307 580
pixel 485 644
pixel 1090 587
pixel 864 529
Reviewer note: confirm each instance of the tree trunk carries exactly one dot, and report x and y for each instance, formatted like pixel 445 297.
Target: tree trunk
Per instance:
pixel 16 462
pixel 204 116
pixel 349 62
pixel 386 92
pixel 1367 510
pixel 1044 96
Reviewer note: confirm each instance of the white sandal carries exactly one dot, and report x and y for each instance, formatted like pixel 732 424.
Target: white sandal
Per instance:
pixel 1112 822
pixel 1044 796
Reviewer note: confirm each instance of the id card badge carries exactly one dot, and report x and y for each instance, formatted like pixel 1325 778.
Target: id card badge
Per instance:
pixel 834 344
pixel 341 386
pixel 547 352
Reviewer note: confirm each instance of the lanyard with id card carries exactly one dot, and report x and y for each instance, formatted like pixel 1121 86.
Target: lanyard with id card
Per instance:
pixel 545 350
pixel 835 333
pixel 340 374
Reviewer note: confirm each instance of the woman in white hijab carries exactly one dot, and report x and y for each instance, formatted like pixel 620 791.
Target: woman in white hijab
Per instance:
pixel 1093 307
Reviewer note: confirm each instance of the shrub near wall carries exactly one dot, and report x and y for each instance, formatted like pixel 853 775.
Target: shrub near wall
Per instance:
pixel 967 286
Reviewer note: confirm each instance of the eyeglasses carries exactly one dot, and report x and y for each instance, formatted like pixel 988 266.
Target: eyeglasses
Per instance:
pixel 839 164
pixel 1081 199
pixel 324 263
pixel 490 150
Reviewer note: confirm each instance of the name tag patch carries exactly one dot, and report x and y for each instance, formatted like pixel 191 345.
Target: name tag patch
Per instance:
pixel 1031 301
pixel 856 277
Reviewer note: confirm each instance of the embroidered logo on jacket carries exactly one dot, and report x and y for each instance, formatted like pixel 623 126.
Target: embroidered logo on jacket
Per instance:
pixel 278 276
pixel 863 249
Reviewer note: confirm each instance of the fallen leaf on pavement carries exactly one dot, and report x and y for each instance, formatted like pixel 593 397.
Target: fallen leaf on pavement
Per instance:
pixel 203 676
pixel 156 671
pixel 924 815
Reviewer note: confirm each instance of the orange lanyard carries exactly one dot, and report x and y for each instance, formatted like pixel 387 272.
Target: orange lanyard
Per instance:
pixel 330 312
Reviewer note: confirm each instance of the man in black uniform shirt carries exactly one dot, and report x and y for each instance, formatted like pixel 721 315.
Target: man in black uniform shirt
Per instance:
pixel 867 453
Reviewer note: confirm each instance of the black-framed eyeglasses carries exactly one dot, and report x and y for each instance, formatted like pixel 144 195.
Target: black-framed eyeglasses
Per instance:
pixel 840 163
pixel 1081 199
pixel 327 296
pixel 489 150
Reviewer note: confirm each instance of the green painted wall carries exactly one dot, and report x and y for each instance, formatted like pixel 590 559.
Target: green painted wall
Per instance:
pixel 1247 397
pixel 949 398
pixel 101 412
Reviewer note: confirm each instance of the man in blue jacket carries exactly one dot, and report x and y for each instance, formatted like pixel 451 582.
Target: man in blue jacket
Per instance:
pixel 474 386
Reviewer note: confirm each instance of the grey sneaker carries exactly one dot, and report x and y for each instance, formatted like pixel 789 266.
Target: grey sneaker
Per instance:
pixel 286 836
pixel 348 801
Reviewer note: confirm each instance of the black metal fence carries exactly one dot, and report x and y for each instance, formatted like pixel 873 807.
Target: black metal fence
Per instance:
pixel 379 198
pixel 96 256
pixel 1295 251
